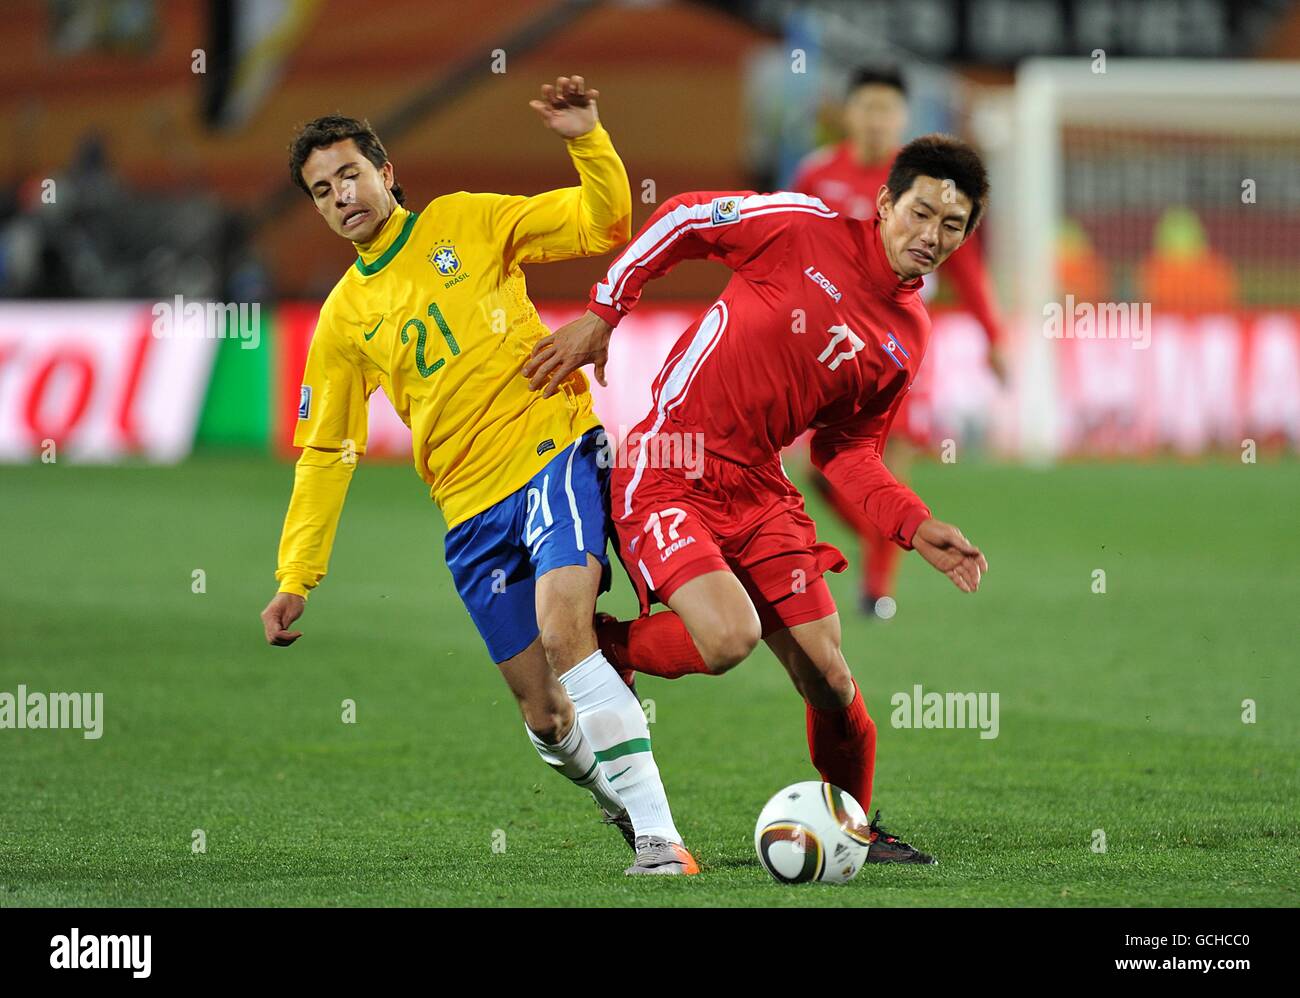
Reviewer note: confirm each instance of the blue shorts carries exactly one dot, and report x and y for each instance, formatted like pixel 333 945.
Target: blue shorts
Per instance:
pixel 557 519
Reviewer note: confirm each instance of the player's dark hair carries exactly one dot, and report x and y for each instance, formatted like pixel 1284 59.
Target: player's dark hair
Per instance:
pixel 944 158
pixel 333 128
pixel 866 76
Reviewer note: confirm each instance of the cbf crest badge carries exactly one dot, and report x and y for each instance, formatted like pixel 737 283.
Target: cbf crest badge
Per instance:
pixel 443 256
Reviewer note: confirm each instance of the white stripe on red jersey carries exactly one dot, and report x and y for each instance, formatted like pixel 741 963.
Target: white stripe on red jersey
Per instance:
pixel 673 389
pixel 663 233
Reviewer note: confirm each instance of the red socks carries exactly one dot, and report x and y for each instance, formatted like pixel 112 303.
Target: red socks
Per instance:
pixel 841 741
pixel 842 744
pixel 658 645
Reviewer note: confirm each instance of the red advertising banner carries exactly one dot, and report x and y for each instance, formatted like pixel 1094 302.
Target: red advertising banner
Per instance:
pixel 95 382
pixel 1196 383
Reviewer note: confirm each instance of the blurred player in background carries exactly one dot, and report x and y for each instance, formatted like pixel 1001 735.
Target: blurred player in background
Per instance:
pixel 435 312
pixel 821 327
pixel 847 176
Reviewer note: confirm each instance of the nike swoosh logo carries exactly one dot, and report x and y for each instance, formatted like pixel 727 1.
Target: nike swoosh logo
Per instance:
pixel 618 774
pixel 371 335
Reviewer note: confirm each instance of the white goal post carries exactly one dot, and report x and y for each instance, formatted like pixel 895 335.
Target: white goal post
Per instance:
pixel 1154 133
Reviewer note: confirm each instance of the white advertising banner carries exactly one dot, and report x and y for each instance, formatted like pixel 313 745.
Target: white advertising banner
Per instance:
pixel 93 382
pixel 1197 383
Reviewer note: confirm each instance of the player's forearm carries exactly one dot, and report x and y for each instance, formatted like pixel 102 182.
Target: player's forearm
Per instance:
pixel 617 294
pixel 605 199
pixel 860 476
pixel 320 486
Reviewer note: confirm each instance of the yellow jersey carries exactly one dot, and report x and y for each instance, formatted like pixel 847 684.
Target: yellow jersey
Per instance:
pixel 435 313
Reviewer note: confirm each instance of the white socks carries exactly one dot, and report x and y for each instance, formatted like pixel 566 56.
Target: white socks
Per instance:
pixel 574 758
pixel 614 725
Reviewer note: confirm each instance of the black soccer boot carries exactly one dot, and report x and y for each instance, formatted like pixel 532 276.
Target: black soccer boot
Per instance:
pixel 886 848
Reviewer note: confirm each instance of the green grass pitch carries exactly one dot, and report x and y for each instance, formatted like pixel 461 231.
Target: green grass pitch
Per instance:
pixel 1120 712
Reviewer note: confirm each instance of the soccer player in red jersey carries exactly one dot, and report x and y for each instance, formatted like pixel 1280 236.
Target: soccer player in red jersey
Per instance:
pixel 846 177
pixel 821 326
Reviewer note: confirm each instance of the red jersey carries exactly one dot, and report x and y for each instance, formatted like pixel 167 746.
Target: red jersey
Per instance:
pixel 850 187
pixel 814 330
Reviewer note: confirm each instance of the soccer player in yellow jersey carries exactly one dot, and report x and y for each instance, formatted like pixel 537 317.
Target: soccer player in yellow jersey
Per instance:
pixel 435 313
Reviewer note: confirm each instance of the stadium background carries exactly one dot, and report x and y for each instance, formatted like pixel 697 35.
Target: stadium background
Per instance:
pixel 146 159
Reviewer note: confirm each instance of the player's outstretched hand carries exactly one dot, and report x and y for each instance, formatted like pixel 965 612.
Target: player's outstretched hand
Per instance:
pixel 947 549
pixel 282 611
pixel 582 341
pixel 569 107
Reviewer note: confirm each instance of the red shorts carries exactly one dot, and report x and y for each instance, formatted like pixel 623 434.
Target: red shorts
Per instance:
pixel 731 518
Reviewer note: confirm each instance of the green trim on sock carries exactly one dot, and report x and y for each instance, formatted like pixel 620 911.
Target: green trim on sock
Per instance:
pixel 623 748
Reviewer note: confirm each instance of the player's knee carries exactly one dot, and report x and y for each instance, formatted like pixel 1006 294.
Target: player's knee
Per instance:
pixel 550 718
pixel 730 643
pixel 830 686
pixel 563 644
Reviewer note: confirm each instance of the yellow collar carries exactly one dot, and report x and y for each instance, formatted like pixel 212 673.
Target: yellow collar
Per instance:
pixel 375 255
pixel 374 248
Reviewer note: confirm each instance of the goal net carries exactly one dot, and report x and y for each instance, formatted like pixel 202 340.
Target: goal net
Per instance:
pixel 1148 213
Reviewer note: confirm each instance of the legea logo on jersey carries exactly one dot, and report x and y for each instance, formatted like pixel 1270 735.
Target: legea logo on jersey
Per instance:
pixel 725 211
pixel 304 402
pixel 823 282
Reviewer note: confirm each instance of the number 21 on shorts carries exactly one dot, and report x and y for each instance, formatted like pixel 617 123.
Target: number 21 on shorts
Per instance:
pixel 538 498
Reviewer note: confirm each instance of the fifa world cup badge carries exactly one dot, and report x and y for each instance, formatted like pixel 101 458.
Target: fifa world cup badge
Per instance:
pixel 725 211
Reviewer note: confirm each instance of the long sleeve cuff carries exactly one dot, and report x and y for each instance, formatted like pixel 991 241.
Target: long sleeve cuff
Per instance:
pixel 911 523
pixel 595 141
pixel 862 479
pixel 298 585
pixel 607 312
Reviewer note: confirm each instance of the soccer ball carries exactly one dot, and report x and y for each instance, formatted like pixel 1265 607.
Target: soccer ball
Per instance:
pixel 812 831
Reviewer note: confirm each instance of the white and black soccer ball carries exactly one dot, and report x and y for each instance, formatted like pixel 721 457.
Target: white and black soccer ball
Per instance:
pixel 812 831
